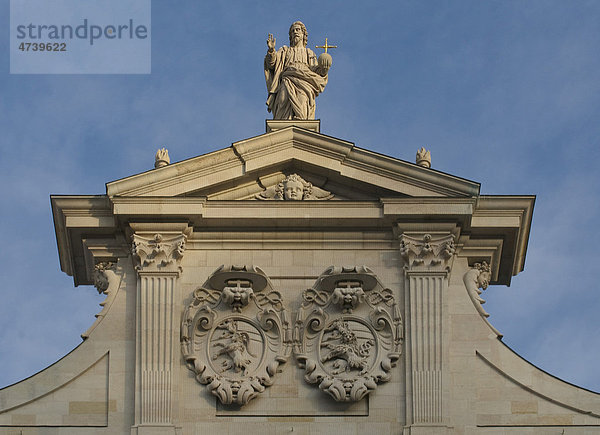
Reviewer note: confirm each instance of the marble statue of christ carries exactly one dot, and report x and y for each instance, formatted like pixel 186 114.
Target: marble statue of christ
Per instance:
pixel 294 76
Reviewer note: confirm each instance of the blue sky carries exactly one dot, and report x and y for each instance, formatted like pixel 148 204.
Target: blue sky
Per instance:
pixel 505 93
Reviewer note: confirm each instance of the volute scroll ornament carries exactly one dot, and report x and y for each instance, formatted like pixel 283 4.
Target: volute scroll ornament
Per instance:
pixel 478 277
pixel 101 275
pixel 349 333
pixel 233 334
pixel 106 282
pixel 476 280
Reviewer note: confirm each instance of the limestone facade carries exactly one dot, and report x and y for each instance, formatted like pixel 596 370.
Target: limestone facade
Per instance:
pixel 293 282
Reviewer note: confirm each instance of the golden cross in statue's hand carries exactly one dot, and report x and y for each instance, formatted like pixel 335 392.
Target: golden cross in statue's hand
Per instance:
pixel 326 46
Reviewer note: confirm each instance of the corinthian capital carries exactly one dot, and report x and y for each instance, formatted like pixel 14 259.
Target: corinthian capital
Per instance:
pixel 427 253
pixel 158 253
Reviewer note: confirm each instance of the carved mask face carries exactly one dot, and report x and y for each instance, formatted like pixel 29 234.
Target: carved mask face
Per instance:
pixel 237 297
pixel 293 190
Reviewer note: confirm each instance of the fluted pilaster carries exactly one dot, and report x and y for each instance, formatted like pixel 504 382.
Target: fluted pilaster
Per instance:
pixel 157 252
pixel 428 261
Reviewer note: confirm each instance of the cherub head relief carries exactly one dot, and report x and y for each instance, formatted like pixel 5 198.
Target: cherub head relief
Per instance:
pixel 293 188
pixel 485 274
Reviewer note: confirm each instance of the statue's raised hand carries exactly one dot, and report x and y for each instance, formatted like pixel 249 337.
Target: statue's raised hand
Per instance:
pixel 271 42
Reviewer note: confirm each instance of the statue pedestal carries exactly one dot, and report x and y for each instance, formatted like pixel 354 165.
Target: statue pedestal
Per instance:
pixel 280 124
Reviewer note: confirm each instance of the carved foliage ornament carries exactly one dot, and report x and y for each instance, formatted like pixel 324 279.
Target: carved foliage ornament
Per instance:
pixel 427 252
pixel 158 252
pixel 348 334
pixel 294 188
pixel 233 334
pixel 424 158
pixel 161 158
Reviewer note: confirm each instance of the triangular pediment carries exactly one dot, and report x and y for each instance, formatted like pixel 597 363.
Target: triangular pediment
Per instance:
pixel 251 166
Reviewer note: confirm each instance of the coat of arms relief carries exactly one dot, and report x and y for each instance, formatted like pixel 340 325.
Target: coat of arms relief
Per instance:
pixel 232 334
pixel 236 333
pixel 349 333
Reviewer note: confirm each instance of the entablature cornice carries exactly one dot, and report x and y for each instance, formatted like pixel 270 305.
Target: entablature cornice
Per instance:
pixel 164 207
pixel 75 216
pixel 199 208
pixel 202 212
pixel 101 250
pixel 428 207
pixel 494 229
pixel 82 211
pixel 299 238
pixel 480 250
pixel 506 218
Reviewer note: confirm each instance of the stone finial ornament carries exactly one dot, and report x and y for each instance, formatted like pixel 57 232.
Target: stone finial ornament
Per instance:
pixel 424 158
pixel 162 158
pixel 294 188
pixel 294 75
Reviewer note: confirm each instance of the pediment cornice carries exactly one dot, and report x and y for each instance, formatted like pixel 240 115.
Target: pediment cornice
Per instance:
pixel 292 148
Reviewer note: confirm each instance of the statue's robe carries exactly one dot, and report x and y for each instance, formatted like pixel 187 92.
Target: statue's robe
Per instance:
pixel 293 82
